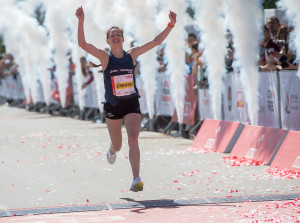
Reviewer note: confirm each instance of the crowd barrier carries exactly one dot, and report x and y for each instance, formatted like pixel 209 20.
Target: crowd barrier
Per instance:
pixel 258 143
pixel 288 156
pixel 217 136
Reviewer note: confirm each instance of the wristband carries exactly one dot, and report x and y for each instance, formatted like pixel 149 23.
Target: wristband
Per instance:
pixel 171 26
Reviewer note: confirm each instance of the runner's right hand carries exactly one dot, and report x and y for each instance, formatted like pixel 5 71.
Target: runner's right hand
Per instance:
pixel 79 13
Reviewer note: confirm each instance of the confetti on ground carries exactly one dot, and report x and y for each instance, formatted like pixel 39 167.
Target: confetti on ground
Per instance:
pixel 283 173
pixel 277 211
pixel 235 161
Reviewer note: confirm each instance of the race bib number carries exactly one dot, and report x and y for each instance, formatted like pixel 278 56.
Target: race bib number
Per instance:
pixel 122 85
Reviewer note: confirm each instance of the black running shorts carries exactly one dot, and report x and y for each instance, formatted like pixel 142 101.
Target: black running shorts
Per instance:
pixel 124 107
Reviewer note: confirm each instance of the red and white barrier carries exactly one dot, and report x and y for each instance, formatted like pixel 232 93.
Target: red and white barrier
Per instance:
pixel 288 156
pixel 258 143
pixel 217 136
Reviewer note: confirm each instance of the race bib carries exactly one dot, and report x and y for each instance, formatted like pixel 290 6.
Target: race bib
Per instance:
pixel 122 85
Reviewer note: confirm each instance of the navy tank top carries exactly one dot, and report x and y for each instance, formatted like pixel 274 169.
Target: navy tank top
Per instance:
pixel 119 79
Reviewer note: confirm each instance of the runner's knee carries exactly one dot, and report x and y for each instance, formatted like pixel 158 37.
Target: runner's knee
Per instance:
pixel 133 142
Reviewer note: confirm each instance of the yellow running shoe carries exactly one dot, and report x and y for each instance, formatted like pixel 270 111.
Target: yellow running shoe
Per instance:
pixel 137 185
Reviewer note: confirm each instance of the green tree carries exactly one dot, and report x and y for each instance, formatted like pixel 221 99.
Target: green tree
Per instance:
pixel 2 47
pixel 270 4
pixel 39 14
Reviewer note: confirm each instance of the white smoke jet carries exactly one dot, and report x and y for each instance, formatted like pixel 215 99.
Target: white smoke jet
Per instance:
pixel 175 51
pixel 55 22
pixel 245 22
pixel 94 34
pixel 141 24
pixel 292 8
pixel 212 26
pixel 39 49
pixel 10 37
pixel 27 33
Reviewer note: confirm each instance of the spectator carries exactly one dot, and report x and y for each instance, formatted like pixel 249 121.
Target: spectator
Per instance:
pixel 70 95
pixel 282 39
pixel 161 59
pixel 86 72
pixel 191 41
pixel 198 67
pixel 230 53
pixel 273 24
pixel 271 52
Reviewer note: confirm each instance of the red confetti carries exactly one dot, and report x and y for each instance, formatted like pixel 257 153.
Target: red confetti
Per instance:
pixel 87 200
pixel 235 161
pixel 74 171
pixel 22 142
pixel 126 157
pixel 47 190
pixel 175 181
pixel 283 173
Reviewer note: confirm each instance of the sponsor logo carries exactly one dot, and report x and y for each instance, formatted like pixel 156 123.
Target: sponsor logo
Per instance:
pixel 229 96
pixel 251 153
pixel 124 85
pixel 187 109
pixel 287 103
pixel 209 143
pixel 270 101
pixel 110 114
pixel 297 162
pixel 217 131
pixel 260 140
pixel 240 99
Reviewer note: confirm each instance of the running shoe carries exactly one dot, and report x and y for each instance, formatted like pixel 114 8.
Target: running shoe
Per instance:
pixel 137 185
pixel 111 157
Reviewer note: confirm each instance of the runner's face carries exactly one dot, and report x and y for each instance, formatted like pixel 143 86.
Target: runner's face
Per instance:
pixel 115 37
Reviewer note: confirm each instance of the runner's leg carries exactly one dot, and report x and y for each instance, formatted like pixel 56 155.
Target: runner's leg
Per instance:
pixel 115 132
pixel 132 123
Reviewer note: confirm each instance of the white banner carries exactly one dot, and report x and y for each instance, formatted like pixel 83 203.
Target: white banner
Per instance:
pixel 204 104
pixel 229 99
pixel 75 90
pixel 20 89
pixel 268 100
pixel 88 93
pixel 290 100
pixel 163 99
pixel 9 85
pixel 241 104
pixel 142 99
pixel 235 106
pixel 40 96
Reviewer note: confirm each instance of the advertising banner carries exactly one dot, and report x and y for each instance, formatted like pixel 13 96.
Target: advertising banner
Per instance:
pixel 268 100
pixel 290 100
